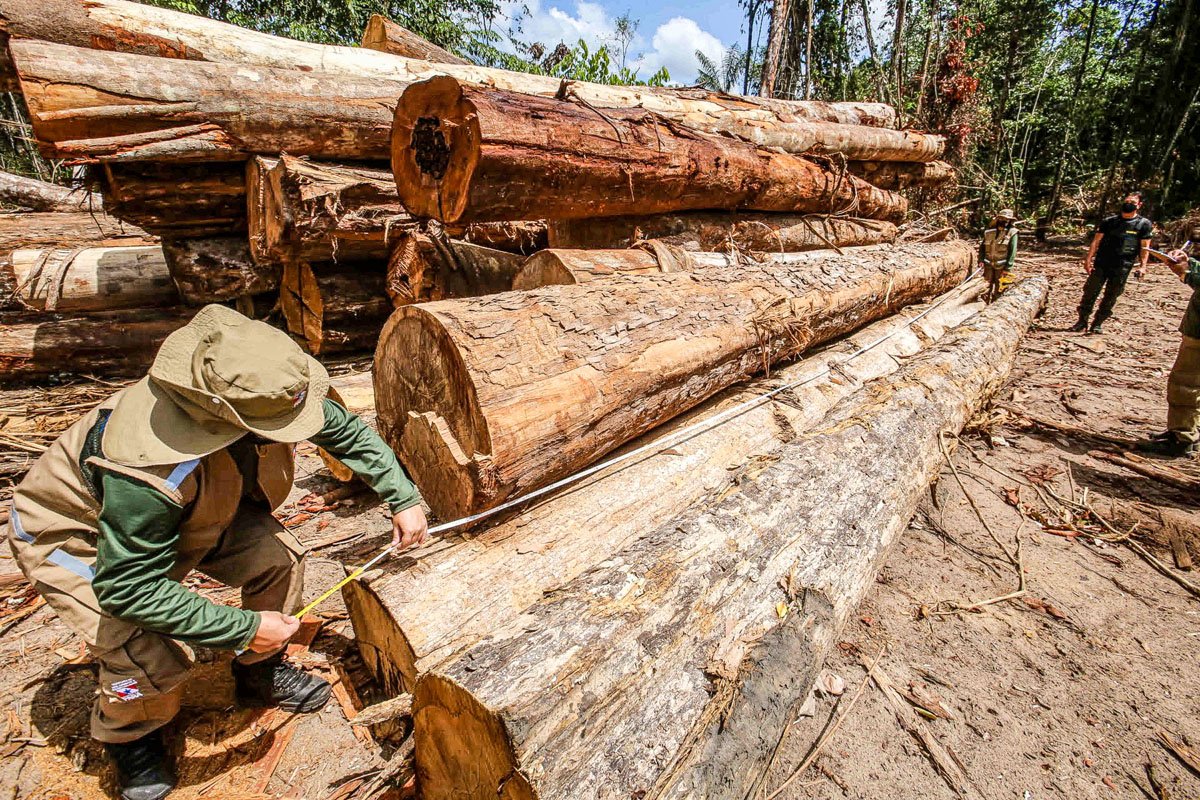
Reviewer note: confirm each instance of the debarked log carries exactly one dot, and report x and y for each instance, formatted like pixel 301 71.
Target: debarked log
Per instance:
pixel 463 153
pixel 670 669
pixel 36 195
pixel 603 362
pixel 92 278
pixel 483 582
pixel 557 267
pixel 61 229
pixel 390 37
pixel 900 175
pixel 111 343
pixel 720 232
pixel 217 269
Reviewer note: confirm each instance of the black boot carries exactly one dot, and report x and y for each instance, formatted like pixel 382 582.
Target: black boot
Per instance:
pixel 143 772
pixel 1097 327
pixel 1079 327
pixel 1170 445
pixel 275 682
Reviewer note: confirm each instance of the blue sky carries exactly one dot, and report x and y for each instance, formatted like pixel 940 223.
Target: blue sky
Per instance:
pixel 669 33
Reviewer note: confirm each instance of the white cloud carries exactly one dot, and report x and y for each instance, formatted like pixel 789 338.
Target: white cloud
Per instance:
pixel 673 45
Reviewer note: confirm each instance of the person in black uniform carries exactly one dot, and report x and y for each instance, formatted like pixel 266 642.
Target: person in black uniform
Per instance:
pixel 1119 242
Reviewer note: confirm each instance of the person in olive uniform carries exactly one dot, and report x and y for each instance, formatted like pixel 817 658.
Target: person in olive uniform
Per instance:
pixel 998 252
pixel 1119 242
pixel 181 471
pixel 1183 384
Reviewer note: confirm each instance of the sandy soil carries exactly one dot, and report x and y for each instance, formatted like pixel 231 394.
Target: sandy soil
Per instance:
pixel 1058 692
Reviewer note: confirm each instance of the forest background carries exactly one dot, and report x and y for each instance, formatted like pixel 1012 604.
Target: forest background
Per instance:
pixel 1054 108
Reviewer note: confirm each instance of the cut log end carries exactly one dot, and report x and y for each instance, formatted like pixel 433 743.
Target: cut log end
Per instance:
pixel 543 269
pixel 435 146
pixel 462 746
pixel 383 646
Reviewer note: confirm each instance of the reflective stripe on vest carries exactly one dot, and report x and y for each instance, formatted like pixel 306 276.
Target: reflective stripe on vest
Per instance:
pixel 57 556
pixel 180 473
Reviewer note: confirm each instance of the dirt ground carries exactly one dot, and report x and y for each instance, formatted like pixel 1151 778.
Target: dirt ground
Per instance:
pixel 1060 691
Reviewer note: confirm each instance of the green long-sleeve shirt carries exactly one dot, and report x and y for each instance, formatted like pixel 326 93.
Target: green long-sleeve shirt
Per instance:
pixel 1190 326
pixel 139 533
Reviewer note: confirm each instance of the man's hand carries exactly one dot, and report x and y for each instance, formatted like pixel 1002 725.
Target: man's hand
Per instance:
pixel 1139 273
pixel 274 630
pixel 410 527
pixel 1087 265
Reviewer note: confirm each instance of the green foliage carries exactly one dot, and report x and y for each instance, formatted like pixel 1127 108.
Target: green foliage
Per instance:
pixel 581 63
pixel 727 75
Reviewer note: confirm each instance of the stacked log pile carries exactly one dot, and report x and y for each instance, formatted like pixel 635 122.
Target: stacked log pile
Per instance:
pixel 548 273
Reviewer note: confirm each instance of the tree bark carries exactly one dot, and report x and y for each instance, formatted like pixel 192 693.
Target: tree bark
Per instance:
pixel 670 669
pixel 59 229
pixel 35 345
pixel 176 200
pixel 130 27
pixel 424 268
pixel 717 232
pixel 567 267
pixel 217 269
pixel 38 195
pixel 389 37
pixel 629 353
pixel 898 175
pixel 472 154
pixel 92 278
pixel 334 308
pixel 399 636
pixel 775 38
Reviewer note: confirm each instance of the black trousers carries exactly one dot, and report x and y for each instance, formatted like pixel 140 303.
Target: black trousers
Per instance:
pixel 1112 283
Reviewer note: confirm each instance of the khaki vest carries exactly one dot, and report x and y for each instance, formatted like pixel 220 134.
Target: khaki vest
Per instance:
pixel 54 522
pixel 995 244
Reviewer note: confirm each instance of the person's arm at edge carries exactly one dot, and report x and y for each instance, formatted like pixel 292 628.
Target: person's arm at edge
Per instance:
pixel 1090 258
pixel 1012 251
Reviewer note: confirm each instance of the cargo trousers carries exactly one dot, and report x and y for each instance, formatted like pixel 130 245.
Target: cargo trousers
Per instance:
pixel 1183 392
pixel 1109 280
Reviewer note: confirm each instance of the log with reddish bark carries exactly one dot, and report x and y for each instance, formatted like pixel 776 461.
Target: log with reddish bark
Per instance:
pixel 122 26
pixel 900 175
pixel 462 153
pixel 334 308
pixel 486 580
pixel 564 267
pixel 59 229
pixel 488 398
pixel 719 232
pixel 18 190
pixel 390 37
pixel 671 669
pixel 36 345
pixel 425 267
pixel 91 278
pixel 217 269
pixel 176 200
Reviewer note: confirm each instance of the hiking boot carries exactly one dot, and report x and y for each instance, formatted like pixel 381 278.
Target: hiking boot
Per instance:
pixel 1171 446
pixel 1097 328
pixel 1079 327
pixel 1162 436
pixel 275 682
pixel 143 771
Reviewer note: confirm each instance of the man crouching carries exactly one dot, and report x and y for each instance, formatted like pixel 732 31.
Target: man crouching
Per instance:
pixel 181 471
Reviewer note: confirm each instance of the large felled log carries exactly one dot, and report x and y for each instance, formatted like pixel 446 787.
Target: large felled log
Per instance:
pixel 113 343
pixel 59 229
pixel 334 308
pixel 603 362
pixel 177 200
pixel 670 669
pixel 122 26
pixel 92 278
pixel 465 154
pixel 484 582
pixel 389 37
pixel 423 267
pixel 898 175
pixel 216 269
pixel 36 195
pixel 720 232
pixel 563 267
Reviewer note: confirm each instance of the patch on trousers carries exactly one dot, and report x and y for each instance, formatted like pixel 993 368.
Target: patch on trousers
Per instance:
pixel 126 690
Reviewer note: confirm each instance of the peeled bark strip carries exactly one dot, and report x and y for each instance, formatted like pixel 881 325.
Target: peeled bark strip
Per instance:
pixel 130 27
pixel 424 268
pixel 467 154
pixel 36 195
pixel 114 343
pixel 717 232
pixel 482 583
pixel 390 37
pixel 334 308
pixel 59 229
pixel 896 175
pixel 556 267
pixel 487 398
pixel 214 270
pixel 92 278
pixel 668 671
pixel 179 200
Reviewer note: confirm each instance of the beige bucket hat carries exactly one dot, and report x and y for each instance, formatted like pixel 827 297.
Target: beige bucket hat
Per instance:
pixel 1008 214
pixel 215 379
